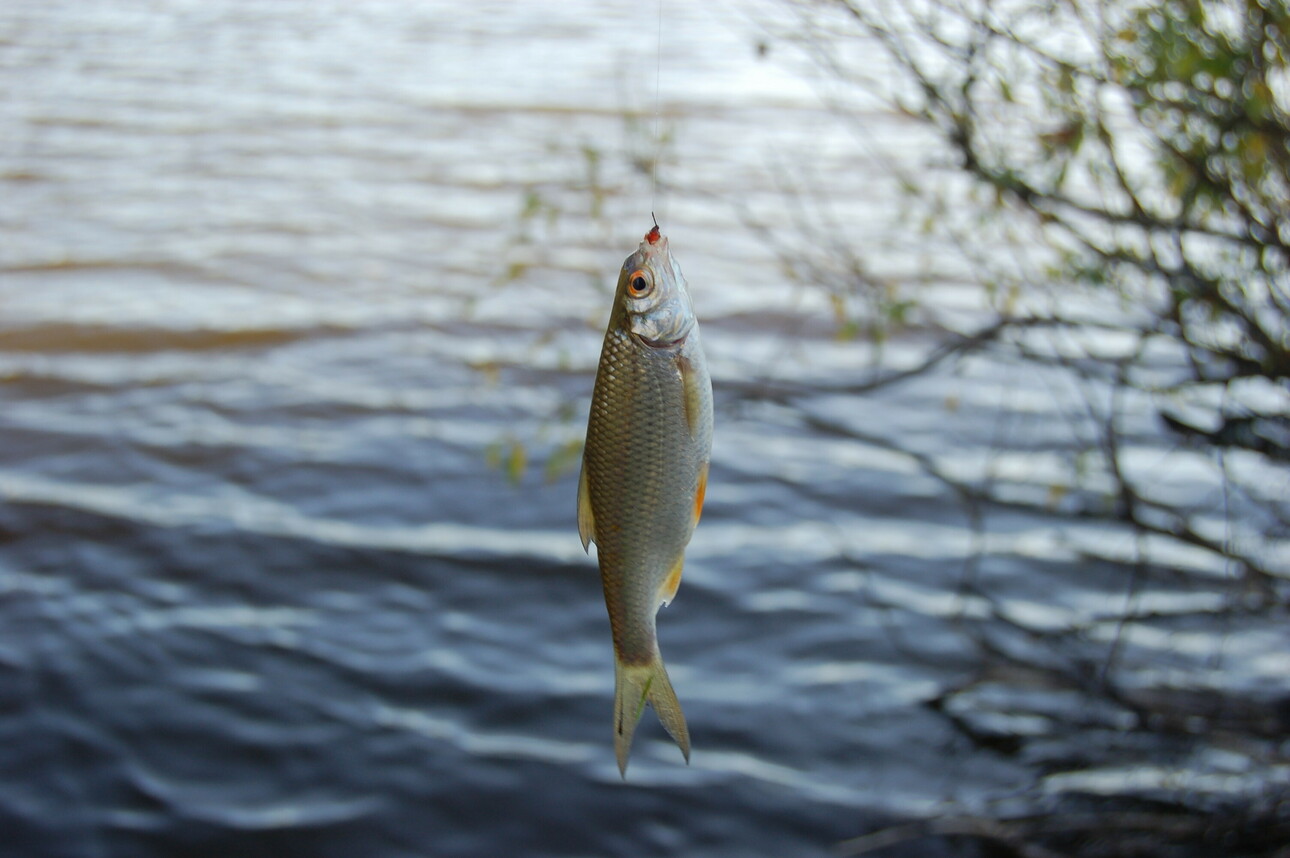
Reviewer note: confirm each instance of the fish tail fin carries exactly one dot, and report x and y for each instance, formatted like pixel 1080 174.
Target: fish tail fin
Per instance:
pixel 634 685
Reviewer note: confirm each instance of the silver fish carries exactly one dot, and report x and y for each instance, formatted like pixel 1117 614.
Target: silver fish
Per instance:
pixel 644 473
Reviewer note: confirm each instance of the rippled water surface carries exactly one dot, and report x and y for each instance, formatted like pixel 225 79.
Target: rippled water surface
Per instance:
pixel 286 292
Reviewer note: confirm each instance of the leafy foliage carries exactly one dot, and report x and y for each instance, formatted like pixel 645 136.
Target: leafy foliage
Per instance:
pixel 1125 217
pixel 1145 149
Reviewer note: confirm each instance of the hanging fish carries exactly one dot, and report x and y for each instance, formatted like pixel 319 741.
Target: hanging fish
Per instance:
pixel 644 471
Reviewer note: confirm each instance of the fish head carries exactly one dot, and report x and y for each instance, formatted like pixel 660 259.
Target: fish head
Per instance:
pixel 653 294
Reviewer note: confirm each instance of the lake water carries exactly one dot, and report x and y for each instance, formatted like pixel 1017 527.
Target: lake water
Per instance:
pixel 300 305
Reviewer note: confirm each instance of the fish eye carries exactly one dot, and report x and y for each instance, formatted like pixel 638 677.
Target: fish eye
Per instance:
pixel 640 283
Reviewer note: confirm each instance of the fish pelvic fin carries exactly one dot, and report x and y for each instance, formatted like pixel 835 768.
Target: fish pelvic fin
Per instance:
pixel 586 521
pixel 700 491
pixel 634 686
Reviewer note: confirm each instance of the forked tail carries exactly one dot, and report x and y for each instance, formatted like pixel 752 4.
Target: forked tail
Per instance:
pixel 634 685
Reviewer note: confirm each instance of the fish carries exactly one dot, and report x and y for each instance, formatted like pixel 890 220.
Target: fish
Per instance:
pixel 644 475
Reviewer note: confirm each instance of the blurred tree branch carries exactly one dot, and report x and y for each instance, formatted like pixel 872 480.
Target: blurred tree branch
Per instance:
pixel 1148 145
pixel 1126 218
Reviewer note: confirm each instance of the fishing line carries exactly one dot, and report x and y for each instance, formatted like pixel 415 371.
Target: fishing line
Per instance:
pixel 658 112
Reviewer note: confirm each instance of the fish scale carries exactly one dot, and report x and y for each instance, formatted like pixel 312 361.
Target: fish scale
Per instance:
pixel 645 533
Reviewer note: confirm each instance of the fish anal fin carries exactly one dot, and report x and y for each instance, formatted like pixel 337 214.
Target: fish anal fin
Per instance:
pixel 667 591
pixel 586 521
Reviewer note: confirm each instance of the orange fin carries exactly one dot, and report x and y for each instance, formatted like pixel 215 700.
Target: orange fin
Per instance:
pixel 699 492
pixel 667 592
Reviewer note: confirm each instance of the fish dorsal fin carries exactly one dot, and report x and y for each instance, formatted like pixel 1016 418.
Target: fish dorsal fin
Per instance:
pixel 586 521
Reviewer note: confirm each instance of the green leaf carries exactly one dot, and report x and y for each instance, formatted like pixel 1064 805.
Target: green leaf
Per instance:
pixel 517 461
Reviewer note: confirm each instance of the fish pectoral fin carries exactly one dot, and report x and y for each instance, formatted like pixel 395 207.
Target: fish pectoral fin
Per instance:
pixel 693 396
pixel 667 590
pixel 586 521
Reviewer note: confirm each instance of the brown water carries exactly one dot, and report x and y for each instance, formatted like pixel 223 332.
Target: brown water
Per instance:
pixel 283 290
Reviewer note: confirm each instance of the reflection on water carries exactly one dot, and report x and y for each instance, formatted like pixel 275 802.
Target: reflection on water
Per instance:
pixel 265 307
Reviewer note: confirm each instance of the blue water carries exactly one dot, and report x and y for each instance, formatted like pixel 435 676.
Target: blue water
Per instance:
pixel 275 324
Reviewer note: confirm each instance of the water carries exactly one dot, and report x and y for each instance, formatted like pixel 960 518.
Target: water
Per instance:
pixel 284 291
